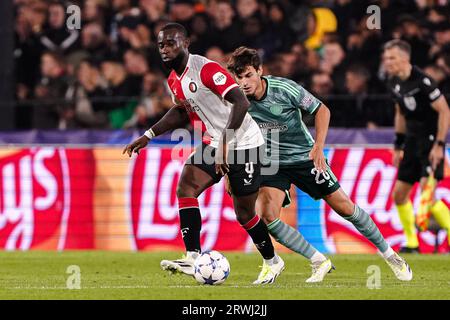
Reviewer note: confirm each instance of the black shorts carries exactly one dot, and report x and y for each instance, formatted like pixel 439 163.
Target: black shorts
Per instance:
pixel 305 177
pixel 245 167
pixel 415 163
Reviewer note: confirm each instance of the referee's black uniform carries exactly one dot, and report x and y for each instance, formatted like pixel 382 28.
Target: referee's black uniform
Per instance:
pixel 415 96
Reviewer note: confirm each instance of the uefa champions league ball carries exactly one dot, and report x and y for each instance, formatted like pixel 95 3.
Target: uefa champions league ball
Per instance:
pixel 211 267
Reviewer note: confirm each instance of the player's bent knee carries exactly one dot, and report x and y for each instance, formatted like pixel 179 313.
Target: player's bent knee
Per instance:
pixel 346 209
pixel 184 192
pixel 400 197
pixel 268 219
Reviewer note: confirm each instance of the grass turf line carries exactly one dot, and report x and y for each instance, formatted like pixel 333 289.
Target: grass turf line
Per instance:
pixel 137 275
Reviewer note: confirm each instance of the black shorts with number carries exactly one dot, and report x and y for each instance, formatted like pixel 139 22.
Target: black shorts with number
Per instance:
pixel 306 177
pixel 245 167
pixel 415 163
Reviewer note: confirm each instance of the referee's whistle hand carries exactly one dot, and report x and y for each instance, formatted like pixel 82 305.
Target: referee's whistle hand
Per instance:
pixel 436 156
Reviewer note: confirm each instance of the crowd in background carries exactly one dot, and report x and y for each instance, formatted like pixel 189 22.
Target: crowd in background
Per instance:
pixel 108 74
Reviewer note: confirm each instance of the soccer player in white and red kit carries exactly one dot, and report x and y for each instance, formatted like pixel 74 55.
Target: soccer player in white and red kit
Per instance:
pixel 203 90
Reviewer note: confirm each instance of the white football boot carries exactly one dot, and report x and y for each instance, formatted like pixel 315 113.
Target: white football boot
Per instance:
pixel 269 273
pixel 320 270
pixel 400 268
pixel 184 265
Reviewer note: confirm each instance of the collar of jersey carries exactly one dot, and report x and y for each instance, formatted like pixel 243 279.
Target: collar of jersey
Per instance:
pixel 185 69
pixel 265 92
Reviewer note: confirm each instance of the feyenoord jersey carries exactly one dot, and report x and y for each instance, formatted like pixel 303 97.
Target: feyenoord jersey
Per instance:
pixel 201 89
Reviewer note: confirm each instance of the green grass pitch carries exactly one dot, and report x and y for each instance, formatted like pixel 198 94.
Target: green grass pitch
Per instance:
pixel 137 275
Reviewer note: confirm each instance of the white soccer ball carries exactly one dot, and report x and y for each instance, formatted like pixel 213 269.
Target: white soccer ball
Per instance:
pixel 211 267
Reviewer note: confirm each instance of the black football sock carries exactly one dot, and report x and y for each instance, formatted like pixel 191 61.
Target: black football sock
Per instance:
pixel 190 223
pixel 257 230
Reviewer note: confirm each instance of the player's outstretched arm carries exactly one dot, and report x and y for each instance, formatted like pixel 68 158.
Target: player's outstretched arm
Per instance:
pixel 176 117
pixel 321 123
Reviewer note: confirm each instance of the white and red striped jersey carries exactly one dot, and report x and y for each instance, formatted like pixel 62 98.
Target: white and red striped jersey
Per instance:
pixel 201 90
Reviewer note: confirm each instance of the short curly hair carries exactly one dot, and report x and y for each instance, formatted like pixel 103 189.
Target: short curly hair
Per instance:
pixel 242 58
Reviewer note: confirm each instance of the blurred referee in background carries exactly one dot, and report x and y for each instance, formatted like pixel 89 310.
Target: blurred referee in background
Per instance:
pixel 421 125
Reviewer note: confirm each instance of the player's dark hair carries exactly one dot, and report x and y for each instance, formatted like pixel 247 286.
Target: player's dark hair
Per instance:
pixel 176 26
pixel 397 43
pixel 242 58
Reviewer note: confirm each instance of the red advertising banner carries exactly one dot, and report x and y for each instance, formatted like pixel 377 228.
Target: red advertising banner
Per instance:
pixel 46 199
pixel 62 198
pixel 368 177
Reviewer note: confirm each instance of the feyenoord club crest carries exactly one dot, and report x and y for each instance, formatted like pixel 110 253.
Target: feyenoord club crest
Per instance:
pixel 192 86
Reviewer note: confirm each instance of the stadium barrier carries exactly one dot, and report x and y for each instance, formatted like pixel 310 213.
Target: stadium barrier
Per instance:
pixel 93 197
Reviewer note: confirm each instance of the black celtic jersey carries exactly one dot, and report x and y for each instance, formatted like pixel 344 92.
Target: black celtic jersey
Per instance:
pixel 414 96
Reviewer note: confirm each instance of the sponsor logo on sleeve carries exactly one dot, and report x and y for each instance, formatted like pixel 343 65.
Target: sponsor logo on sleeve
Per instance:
pixel 219 78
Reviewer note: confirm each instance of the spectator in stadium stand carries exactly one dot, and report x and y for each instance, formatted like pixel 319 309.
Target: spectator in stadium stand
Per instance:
pixel 201 33
pixel 56 36
pixel 281 35
pixel 136 62
pixel 119 83
pixel 441 38
pixel 436 73
pixel 91 87
pixel 364 43
pixel 183 12
pixel 443 62
pixel 27 52
pixel 94 12
pixel 321 85
pixel 153 11
pixel 226 30
pixel 121 87
pixel 319 22
pixel 348 13
pixel 308 32
pixel 359 85
pixel 94 41
pixel 254 25
pixel 412 32
pixel 334 63
pixel 216 54
pixel 132 33
pixel 247 9
pixel 50 112
pixel 153 104
pixel 136 66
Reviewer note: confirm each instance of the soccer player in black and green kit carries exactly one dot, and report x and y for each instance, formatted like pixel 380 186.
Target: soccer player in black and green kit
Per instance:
pixel 277 105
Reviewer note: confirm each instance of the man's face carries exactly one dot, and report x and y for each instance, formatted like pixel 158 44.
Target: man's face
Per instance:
pixel 394 60
pixel 249 80
pixel 48 65
pixel 354 82
pixel 56 16
pixel 171 44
